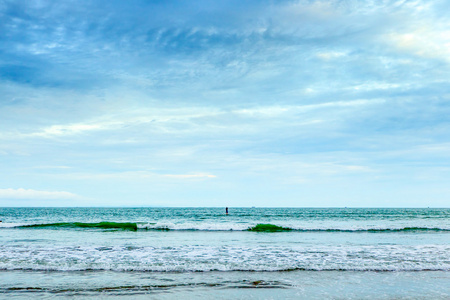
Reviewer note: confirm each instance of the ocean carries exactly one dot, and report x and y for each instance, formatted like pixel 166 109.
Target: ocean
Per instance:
pixel 256 253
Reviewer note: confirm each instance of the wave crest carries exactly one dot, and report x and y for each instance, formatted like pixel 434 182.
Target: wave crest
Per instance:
pixel 220 226
pixel 101 225
pixel 268 228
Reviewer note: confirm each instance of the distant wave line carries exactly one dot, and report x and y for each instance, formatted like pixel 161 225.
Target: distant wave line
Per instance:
pixel 142 226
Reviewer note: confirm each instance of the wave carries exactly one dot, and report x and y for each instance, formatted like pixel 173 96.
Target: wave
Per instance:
pixel 101 225
pixel 204 258
pixel 205 270
pixel 401 229
pixel 272 228
pixel 269 228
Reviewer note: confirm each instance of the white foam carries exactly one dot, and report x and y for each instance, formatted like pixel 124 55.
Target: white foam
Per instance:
pixel 221 225
pixel 12 225
pixel 202 226
pixel 227 258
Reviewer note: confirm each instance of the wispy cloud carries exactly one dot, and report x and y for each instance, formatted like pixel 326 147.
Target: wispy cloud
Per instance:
pixel 189 176
pixel 423 42
pixel 193 119
pixel 182 92
pixel 63 130
pixel 133 175
pixel 30 194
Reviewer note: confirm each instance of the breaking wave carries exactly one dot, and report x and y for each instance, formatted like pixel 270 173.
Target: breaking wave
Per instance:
pixel 168 226
pixel 205 258
pixel 101 225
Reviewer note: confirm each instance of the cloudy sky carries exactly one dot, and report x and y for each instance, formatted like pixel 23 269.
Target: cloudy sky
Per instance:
pixel 225 103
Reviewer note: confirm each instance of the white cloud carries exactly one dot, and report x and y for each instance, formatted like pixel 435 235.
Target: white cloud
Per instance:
pixel 330 55
pixel 61 130
pixel 190 176
pixel 35 194
pixel 53 167
pixel 424 42
pixel 133 175
pixel 276 111
pixel 373 86
pixel 304 91
pixel 160 118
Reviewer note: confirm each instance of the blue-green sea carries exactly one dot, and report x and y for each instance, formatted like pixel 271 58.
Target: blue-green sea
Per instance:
pixel 260 253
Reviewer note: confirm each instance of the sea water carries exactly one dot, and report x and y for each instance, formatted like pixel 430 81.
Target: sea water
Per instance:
pixel 261 253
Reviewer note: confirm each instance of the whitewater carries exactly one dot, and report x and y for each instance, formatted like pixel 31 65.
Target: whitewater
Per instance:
pixel 193 252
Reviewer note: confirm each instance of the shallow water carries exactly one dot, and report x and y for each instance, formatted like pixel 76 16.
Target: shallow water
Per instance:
pixel 176 252
pixel 226 285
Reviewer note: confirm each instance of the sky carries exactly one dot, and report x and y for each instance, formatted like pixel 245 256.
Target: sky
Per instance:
pixel 225 103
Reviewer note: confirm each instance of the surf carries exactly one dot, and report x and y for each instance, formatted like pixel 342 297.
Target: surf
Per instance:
pixel 219 227
pixel 100 225
pixel 268 228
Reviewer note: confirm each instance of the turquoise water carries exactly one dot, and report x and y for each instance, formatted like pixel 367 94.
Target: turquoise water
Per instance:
pixel 201 252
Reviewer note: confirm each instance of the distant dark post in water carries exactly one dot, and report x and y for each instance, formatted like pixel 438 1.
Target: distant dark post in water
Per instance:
pixel 226 210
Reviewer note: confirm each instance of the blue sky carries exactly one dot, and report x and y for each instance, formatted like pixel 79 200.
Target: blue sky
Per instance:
pixel 225 103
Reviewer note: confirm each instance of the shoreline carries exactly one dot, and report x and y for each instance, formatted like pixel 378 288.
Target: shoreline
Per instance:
pixel 238 285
